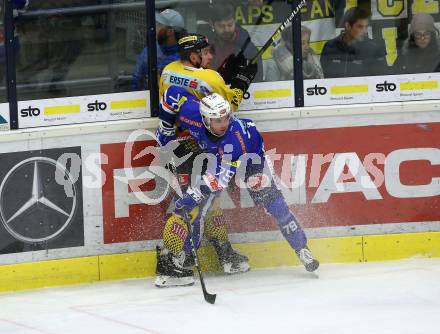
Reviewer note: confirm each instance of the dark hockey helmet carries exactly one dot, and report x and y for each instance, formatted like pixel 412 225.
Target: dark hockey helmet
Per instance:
pixel 192 43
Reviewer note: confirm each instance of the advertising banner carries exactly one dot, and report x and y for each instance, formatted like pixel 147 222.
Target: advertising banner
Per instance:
pixel 83 109
pixel 354 176
pixel 336 91
pixel 407 87
pixel 41 203
pixel 268 95
pixel 126 216
pixel 4 117
pixel 330 177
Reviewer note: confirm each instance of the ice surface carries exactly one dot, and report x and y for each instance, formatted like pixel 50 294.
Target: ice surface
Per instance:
pixel 374 298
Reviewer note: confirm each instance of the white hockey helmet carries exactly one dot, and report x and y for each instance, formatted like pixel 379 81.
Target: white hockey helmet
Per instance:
pixel 214 107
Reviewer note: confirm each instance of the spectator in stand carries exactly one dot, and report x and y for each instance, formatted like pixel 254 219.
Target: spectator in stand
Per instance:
pixel 352 53
pixel 420 53
pixel 169 28
pixel 283 58
pixel 228 37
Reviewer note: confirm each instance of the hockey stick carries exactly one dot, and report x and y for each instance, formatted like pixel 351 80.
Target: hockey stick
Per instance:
pixel 210 298
pixel 268 43
pixel 278 32
pixel 259 20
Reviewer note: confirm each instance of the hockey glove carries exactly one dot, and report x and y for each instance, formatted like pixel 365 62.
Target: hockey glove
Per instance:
pixel 191 198
pixel 231 66
pixel 165 133
pixel 244 77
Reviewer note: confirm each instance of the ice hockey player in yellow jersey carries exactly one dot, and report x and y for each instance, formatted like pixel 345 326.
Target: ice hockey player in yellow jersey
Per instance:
pixel 188 73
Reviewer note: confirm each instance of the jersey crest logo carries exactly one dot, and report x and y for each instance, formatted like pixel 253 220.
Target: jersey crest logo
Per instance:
pixel 176 102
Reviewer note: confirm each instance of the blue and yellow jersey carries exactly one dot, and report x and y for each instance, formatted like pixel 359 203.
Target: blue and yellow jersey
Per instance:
pixel 199 82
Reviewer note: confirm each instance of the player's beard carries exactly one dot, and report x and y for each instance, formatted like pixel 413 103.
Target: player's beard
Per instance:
pixel 361 38
pixel 227 36
pixel 197 64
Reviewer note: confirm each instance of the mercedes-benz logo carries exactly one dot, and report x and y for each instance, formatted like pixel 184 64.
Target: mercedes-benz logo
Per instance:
pixel 33 207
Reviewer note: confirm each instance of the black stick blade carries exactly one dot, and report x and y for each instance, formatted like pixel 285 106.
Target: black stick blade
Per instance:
pixel 210 298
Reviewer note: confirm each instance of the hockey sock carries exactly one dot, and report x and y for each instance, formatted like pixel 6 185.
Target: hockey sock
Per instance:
pixel 289 227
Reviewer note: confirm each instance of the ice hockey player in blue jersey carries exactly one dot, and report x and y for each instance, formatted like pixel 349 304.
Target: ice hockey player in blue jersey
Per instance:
pixel 234 149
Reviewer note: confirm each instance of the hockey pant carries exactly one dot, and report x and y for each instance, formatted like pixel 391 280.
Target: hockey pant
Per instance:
pixel 207 219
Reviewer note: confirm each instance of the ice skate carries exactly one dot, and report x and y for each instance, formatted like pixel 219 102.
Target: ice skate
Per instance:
pixel 231 261
pixel 170 271
pixel 189 262
pixel 307 259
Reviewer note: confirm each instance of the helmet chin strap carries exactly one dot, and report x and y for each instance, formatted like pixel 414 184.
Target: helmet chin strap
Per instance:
pixel 214 134
pixel 207 124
